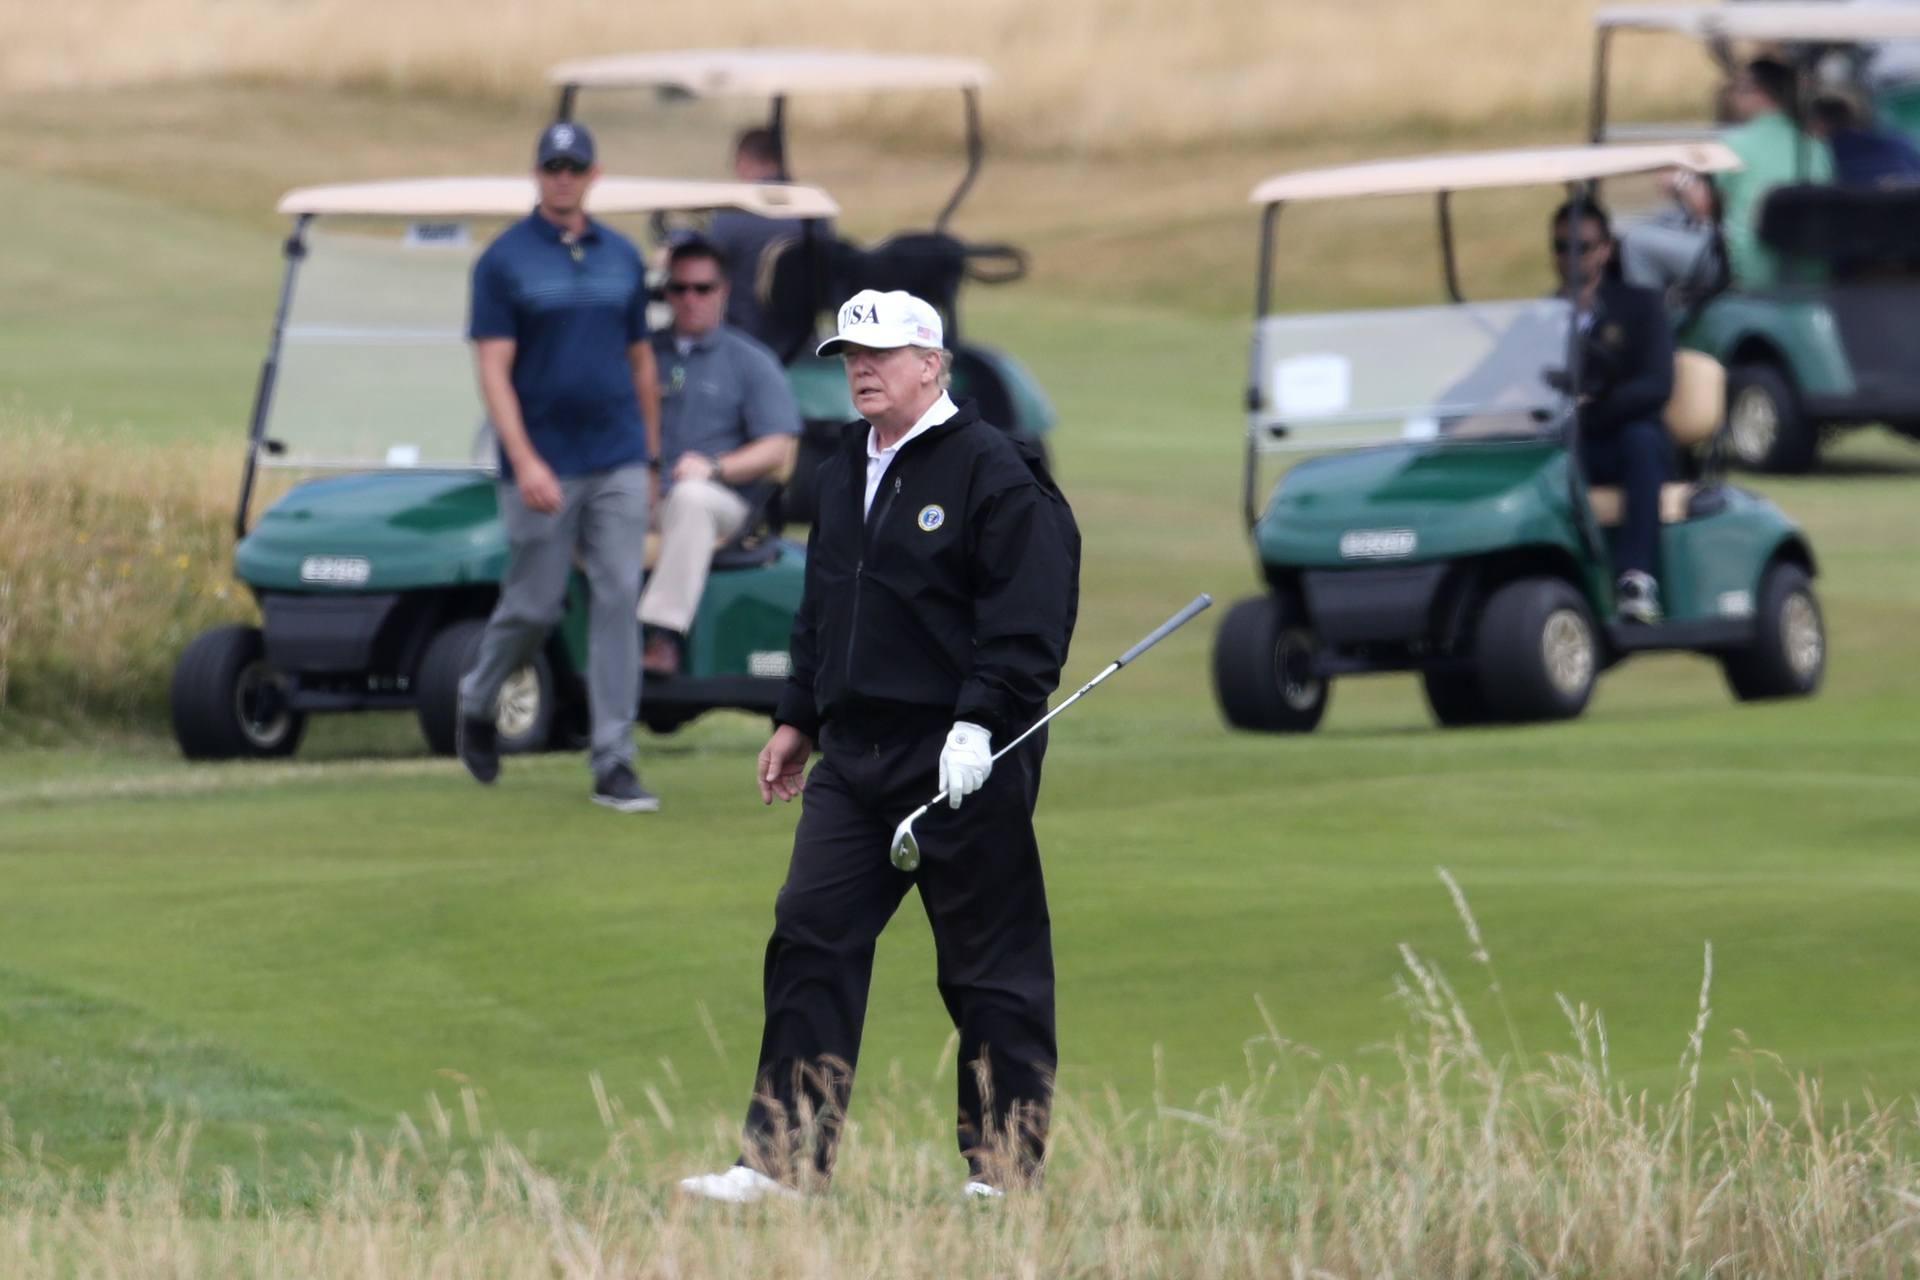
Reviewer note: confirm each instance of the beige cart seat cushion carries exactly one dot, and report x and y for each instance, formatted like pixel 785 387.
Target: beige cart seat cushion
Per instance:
pixel 1610 503
pixel 1693 413
pixel 1699 401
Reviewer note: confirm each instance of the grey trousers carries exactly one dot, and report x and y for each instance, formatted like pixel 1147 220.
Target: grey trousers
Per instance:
pixel 605 514
pixel 1659 256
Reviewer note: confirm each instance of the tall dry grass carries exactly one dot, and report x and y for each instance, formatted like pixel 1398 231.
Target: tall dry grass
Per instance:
pixel 1071 73
pixel 1451 1159
pixel 113 554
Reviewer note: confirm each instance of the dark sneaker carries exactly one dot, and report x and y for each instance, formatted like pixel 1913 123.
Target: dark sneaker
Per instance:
pixel 617 788
pixel 477 743
pixel 1639 597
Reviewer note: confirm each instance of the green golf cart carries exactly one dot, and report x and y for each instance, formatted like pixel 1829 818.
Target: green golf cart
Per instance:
pixel 1443 525
pixel 797 281
pixel 379 558
pixel 1836 343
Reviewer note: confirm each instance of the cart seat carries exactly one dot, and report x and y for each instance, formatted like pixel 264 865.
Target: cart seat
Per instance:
pixel 758 540
pixel 1693 414
pixel 728 553
pixel 1609 503
pixel 1698 404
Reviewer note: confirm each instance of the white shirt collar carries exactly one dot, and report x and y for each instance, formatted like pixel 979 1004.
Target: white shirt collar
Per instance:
pixel 938 412
pixel 878 459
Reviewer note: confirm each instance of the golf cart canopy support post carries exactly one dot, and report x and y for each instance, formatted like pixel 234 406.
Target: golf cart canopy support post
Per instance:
pixel 1262 299
pixel 1449 266
pixel 295 250
pixel 976 155
pixel 1597 106
pixel 777 126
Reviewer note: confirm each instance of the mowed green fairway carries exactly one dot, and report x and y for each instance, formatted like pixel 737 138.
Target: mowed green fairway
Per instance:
pixel 296 950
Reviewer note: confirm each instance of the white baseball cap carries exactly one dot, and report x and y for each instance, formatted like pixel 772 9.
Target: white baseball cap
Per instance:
pixel 871 318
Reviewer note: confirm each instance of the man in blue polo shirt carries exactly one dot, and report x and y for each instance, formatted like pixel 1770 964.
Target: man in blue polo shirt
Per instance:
pixel 560 339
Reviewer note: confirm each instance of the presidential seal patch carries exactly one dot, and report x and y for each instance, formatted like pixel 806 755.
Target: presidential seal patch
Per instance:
pixel 931 517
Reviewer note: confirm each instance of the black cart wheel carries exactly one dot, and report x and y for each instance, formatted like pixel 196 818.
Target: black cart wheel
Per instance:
pixel 1263 669
pixel 664 720
pixel 1538 651
pixel 527 700
pixel 1455 699
pixel 1789 655
pixel 1766 430
pixel 227 703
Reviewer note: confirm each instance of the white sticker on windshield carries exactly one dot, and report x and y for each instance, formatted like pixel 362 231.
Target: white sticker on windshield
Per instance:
pixel 1312 386
pixel 1420 427
pixel 403 455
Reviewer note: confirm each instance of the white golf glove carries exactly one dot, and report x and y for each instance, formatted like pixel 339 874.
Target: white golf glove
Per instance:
pixel 965 762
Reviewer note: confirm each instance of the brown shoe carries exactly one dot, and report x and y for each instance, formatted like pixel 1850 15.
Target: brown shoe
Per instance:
pixel 662 656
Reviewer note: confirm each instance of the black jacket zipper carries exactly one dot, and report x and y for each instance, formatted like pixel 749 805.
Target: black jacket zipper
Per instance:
pixel 867 536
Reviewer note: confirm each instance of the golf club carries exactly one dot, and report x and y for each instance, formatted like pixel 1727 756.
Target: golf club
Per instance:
pixel 905 850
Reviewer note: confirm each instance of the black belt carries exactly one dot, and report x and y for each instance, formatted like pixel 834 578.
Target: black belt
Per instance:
pixel 884 721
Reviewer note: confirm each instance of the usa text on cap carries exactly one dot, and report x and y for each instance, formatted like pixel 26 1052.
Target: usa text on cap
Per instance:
pixel 871 318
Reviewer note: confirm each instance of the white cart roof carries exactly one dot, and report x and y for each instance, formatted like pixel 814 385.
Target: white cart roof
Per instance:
pixel 766 73
pixel 511 196
pixel 1818 21
pixel 1540 166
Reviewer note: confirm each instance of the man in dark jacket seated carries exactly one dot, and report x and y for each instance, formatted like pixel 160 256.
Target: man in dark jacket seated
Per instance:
pixel 1626 379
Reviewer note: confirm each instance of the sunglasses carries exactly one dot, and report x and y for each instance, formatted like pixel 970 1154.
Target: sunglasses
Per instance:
pixel 701 287
pixel 563 166
pixel 1585 246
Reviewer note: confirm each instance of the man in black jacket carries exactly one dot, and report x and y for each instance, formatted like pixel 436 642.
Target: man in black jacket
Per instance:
pixel 1626 379
pixel 941 589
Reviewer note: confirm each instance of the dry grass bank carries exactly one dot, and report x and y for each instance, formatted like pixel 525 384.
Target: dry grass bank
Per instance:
pixel 1454 1159
pixel 112 556
pixel 1071 74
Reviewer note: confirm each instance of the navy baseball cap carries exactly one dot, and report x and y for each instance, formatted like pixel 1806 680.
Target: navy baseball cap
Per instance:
pixel 564 140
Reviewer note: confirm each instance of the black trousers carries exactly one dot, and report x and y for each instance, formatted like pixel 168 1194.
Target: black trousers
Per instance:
pixel 980 882
pixel 1639 458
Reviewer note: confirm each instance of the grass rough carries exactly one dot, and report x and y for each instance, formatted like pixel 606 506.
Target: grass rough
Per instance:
pixel 1454 1159
pixel 112 557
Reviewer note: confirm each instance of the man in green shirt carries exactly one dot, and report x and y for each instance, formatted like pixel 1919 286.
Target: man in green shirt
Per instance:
pixel 1774 152
pixel 1677 252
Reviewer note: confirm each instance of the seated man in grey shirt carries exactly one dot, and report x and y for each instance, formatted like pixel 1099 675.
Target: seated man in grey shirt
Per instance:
pixel 728 422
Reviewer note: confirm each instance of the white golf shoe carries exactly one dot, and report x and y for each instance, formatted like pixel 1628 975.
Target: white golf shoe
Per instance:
pixel 977 1190
pixel 738 1185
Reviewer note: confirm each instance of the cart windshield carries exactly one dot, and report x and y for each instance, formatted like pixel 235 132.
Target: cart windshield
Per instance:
pixel 374 366
pixel 1359 378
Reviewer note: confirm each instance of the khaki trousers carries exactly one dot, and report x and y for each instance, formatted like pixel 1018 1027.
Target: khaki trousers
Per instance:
pixel 693 516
